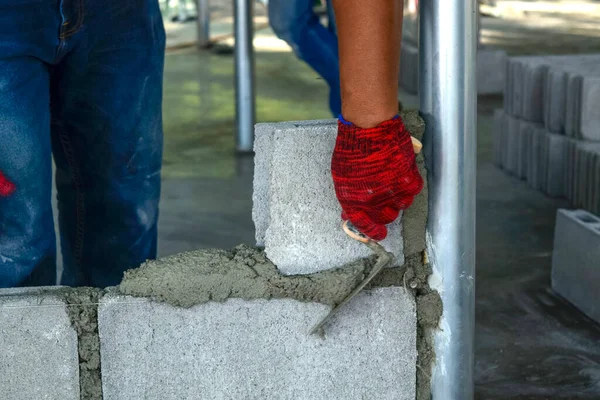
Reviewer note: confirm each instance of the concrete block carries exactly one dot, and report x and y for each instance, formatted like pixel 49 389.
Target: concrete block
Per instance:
pixel 508 84
pixel 490 70
pixel 39 357
pixel 512 148
pixel 409 67
pixel 584 174
pixel 304 233
pixel 554 108
pixel 570 178
pixel 556 147
pixel 575 267
pixel 517 88
pixel 533 102
pixel 572 105
pixel 523 148
pixel 263 148
pixel 498 133
pixel 590 110
pixel 259 349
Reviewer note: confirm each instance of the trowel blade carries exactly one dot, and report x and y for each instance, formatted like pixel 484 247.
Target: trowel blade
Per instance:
pixel 384 258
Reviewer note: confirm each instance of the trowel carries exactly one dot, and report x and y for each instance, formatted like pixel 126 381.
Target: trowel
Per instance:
pixel 384 258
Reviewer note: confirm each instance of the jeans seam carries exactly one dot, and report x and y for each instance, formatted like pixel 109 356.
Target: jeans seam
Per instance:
pixel 79 201
pixel 78 24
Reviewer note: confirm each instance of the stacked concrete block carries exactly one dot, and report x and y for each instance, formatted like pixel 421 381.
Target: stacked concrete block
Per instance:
pixel 409 67
pixel 38 347
pixel 585 188
pixel 575 266
pixel 550 125
pixel 491 72
pixel 259 349
pixel 297 215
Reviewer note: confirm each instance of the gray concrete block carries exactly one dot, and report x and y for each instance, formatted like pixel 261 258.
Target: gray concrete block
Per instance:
pixel 259 349
pixel 575 267
pixel 304 233
pixel 517 88
pixel 508 85
pixel 556 148
pixel 554 118
pixel 533 102
pixel 39 357
pixel 590 109
pixel 498 133
pixel 512 146
pixel 490 70
pixel 524 142
pixel 572 105
pixel 584 174
pixel 570 179
pixel 263 150
pixel 409 67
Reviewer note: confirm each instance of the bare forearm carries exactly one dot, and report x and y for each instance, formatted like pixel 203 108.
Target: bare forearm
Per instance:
pixel 369 48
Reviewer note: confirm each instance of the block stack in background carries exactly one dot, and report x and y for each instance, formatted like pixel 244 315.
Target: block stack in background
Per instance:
pixel 549 130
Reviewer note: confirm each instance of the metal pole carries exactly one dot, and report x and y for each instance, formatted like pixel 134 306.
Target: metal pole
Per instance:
pixel 244 75
pixel 203 23
pixel 448 102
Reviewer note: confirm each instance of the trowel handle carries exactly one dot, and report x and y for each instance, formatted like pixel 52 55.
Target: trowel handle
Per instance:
pixel 417 145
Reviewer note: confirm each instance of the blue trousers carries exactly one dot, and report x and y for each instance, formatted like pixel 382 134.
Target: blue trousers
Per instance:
pixel 81 81
pixel 295 22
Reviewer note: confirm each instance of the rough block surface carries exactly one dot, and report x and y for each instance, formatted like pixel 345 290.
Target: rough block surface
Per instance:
pixel 302 233
pixel 38 347
pixel 259 349
pixel 575 266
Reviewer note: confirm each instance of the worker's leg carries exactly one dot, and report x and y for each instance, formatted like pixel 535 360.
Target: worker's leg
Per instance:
pixel 107 140
pixel 27 239
pixel 295 22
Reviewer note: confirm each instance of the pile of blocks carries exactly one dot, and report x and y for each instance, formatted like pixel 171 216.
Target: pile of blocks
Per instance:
pixel 549 130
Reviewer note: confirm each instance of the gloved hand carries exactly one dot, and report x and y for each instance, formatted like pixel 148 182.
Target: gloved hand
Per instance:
pixel 374 174
pixel 6 187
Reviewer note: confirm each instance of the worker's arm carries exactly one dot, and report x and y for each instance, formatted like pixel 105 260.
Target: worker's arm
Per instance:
pixel 369 49
pixel 373 164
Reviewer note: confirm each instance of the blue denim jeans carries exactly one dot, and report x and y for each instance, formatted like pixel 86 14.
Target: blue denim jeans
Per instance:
pixel 295 22
pixel 80 80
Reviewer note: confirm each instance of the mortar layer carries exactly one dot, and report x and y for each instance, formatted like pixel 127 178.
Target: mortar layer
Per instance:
pixel 191 278
pixel 82 308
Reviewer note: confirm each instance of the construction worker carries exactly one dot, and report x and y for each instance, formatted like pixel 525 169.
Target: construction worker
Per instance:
pixel 80 81
pixel 296 22
pixel 373 165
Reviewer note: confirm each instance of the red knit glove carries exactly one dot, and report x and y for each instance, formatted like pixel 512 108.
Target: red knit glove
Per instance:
pixel 6 187
pixel 374 174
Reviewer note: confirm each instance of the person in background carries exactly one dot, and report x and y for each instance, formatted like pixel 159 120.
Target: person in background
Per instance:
pixel 373 164
pixel 296 22
pixel 80 81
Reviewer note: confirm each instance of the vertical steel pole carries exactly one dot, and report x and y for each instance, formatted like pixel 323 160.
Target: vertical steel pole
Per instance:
pixel 203 23
pixel 244 75
pixel 448 36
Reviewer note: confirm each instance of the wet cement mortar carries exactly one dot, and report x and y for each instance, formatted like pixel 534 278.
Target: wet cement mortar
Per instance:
pixel 192 278
pixel 83 312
